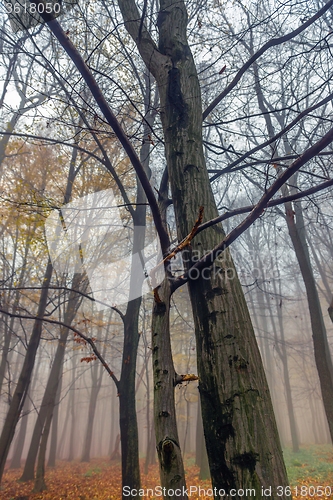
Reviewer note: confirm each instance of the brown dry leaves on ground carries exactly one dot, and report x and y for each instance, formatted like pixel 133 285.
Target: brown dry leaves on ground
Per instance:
pixel 100 480
pixel 97 480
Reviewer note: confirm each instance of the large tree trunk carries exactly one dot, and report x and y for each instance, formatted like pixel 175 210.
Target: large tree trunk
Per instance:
pixel 22 386
pixel 172 472
pixel 242 440
pixel 241 435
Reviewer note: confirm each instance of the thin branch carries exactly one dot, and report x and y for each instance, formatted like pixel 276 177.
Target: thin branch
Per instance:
pixel 54 141
pixel 183 244
pixel 272 43
pixel 66 289
pixel 189 377
pixel 186 241
pixel 272 203
pixel 208 259
pixel 88 77
pixel 275 160
pixel 275 137
pixel 88 340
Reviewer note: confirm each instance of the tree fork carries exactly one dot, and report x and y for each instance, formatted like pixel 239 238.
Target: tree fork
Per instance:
pixel 241 435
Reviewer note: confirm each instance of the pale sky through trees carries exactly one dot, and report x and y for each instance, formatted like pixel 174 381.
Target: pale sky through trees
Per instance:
pixel 166 243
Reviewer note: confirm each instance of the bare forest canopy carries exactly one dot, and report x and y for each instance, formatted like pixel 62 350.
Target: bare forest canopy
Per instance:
pixel 166 242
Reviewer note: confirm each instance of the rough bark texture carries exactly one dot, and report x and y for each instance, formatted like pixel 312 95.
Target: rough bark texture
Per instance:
pixel 167 441
pixel 242 440
pixel 127 407
pixel 201 458
pixel 241 435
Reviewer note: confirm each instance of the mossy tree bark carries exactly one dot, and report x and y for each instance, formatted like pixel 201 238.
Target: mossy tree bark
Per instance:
pixel 172 472
pixel 201 458
pixel 242 440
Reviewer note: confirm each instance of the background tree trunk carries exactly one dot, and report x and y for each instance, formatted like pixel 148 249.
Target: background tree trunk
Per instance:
pixel 51 389
pixel 54 433
pixel 22 386
pixel 96 378
pixel 40 484
pixel 127 407
pixel 322 353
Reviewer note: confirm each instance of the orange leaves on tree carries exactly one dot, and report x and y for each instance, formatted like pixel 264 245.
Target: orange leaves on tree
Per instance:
pixel 88 359
pixel 79 340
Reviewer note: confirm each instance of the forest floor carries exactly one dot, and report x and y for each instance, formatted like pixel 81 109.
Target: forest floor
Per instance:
pixel 310 474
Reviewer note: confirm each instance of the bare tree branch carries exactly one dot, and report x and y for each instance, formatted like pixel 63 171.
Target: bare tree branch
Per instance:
pixel 88 77
pixel 272 203
pixel 88 340
pixel 258 209
pixel 272 43
pixel 275 137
